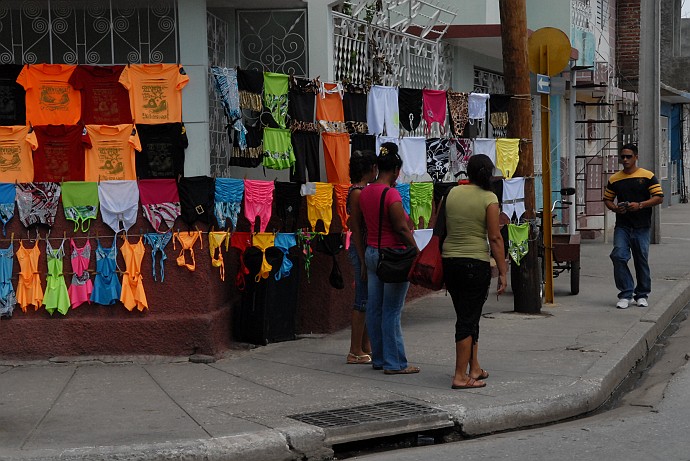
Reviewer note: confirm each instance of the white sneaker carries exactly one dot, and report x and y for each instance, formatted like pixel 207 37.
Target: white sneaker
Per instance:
pixel 623 303
pixel 642 302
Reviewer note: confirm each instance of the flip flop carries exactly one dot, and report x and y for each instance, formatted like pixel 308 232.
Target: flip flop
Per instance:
pixel 471 384
pixel 353 359
pixel 483 374
pixel 404 371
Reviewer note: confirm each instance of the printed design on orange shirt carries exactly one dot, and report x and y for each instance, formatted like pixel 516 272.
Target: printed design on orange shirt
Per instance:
pixel 10 157
pixel 154 104
pixel 110 160
pixel 54 96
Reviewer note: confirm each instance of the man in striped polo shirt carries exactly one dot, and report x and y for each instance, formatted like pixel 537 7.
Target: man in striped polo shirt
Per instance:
pixel 635 191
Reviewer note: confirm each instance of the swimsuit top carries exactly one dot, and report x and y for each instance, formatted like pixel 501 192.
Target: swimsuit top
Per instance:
pixel 158 243
pixel 80 258
pixel 187 242
pixel 215 242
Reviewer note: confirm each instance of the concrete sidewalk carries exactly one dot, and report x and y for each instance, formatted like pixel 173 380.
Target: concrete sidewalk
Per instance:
pixel 543 368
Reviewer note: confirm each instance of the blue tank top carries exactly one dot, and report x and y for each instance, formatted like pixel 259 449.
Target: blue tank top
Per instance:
pixel 106 285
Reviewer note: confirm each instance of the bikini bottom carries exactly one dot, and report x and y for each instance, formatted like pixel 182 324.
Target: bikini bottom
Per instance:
pixel 363 142
pixel 507 156
pixel 305 146
pixel 336 153
pixel 119 202
pixel 284 242
pixel 80 203
pixel 518 236
pixel 434 102
pixel 421 198
pixel 215 243
pixel 341 193
pixel 196 199
pixel 278 151
pixel 331 245
pixel 288 202
pixel 241 241
pixel 459 112
pixel 262 241
pixel 320 206
pixel 460 153
pixel 410 106
pixel 160 202
pixel 249 156
pixel 187 241
pixel 229 193
pixel 158 243
pixel 37 202
pixel 437 158
pixel 404 190
pixel 514 197
pixel 8 194
pixel 258 202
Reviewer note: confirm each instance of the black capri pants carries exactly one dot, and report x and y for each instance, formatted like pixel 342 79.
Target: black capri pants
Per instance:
pixel 467 281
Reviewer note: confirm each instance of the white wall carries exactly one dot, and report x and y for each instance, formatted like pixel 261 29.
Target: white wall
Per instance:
pixel 194 58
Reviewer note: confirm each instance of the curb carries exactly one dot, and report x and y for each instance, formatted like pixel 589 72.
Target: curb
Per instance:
pixel 586 394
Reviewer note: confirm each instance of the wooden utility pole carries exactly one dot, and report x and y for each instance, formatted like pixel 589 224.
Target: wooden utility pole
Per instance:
pixel 525 277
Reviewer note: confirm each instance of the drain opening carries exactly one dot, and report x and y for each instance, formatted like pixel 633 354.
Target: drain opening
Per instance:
pixel 383 411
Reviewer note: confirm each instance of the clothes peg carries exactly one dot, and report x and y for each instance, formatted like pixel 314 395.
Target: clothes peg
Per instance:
pixel 12 238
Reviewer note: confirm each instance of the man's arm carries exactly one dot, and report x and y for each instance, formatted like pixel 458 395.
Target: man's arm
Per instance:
pixel 654 200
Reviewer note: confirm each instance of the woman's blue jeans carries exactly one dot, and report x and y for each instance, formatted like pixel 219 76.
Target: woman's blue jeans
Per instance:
pixel 627 240
pixel 384 309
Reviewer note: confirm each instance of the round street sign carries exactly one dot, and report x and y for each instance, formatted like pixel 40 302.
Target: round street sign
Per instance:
pixel 551 46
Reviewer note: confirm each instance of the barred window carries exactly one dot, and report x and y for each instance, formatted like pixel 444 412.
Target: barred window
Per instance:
pixel 87 32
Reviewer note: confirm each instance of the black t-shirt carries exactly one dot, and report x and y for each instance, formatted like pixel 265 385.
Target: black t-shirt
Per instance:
pixel 12 96
pixel 636 187
pixel 162 150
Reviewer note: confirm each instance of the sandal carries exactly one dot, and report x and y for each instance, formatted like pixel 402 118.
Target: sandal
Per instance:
pixel 483 374
pixel 404 371
pixel 353 359
pixel 470 384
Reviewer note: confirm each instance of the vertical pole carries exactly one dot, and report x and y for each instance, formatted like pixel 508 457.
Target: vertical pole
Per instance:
pixel 546 179
pixel 525 277
pixel 572 151
pixel 650 98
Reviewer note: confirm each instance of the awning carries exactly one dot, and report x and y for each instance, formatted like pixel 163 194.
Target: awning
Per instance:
pixel 673 95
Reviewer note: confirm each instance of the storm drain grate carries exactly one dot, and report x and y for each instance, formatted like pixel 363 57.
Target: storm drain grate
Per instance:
pixel 384 411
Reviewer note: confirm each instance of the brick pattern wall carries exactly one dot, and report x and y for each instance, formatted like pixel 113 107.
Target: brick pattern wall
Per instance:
pixel 628 41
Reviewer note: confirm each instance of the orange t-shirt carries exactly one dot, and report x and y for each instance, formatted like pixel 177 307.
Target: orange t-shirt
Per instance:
pixel 111 155
pixel 155 92
pixel 16 159
pixel 50 99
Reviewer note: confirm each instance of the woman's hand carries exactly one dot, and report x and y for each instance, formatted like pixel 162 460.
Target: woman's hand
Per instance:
pixel 501 288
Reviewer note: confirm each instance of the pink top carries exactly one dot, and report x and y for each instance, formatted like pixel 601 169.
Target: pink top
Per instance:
pixel 81 287
pixel 370 203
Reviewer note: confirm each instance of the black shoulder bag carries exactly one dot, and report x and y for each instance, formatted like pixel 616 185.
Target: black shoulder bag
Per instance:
pixel 394 264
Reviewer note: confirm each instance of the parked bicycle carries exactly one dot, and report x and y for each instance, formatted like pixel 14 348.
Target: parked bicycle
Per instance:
pixel 565 246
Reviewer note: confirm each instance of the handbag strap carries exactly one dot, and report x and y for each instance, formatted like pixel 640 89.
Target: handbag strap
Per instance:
pixel 440 228
pixel 383 198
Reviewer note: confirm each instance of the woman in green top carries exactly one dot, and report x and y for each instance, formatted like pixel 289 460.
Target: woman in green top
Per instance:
pixel 471 218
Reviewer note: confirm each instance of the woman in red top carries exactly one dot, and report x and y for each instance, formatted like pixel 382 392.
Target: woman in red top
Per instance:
pixel 386 300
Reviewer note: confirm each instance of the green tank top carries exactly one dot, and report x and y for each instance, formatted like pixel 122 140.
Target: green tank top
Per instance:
pixel 56 296
pixel 466 222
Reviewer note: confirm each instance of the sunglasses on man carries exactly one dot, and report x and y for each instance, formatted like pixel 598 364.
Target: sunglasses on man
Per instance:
pixel 624 157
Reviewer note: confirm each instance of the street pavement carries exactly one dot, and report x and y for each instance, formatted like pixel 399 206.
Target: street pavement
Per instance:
pixel 544 368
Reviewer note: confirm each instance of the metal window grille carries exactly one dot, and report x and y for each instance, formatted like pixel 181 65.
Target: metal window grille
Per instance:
pixel 273 41
pixel 602 14
pixel 488 82
pixel 218 55
pixel 390 42
pixel 582 12
pixel 104 32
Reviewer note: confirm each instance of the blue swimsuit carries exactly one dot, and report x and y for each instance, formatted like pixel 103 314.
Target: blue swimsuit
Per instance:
pixel 8 299
pixel 106 285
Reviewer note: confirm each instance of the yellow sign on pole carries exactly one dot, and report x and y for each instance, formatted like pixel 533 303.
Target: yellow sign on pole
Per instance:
pixel 548 53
